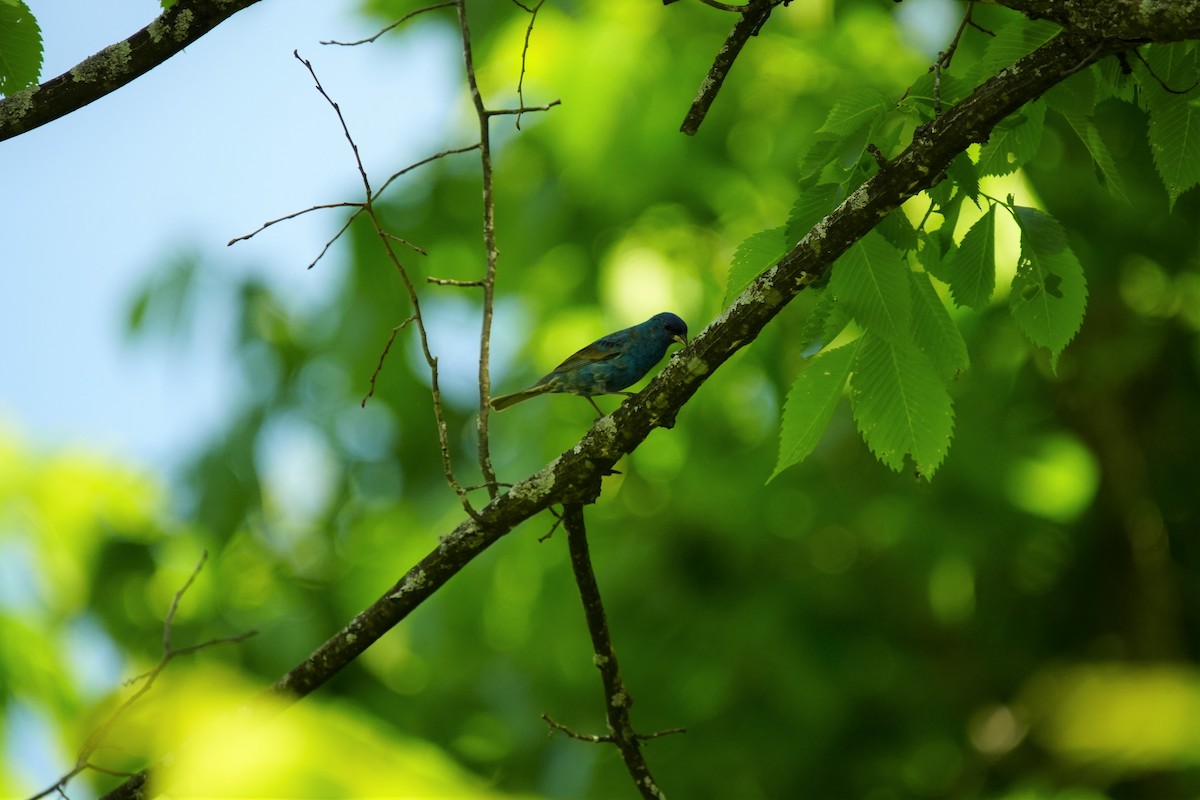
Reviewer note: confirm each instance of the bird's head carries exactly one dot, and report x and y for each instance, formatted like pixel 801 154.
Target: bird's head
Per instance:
pixel 672 327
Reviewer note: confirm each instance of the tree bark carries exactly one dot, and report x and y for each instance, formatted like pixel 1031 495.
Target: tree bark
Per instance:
pixel 114 66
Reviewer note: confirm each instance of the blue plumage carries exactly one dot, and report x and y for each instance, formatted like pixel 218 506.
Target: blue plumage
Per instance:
pixel 609 364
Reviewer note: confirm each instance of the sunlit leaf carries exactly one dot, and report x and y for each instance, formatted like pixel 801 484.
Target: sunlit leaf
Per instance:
pixel 971 273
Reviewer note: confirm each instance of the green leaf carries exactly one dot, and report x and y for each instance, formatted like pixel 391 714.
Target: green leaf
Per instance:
pixel 1175 144
pixel 857 108
pixel 934 331
pixel 920 97
pixel 811 402
pixel 869 279
pixel 971 273
pixel 897 229
pixel 949 212
pixel 932 258
pixel 1049 291
pixel 812 206
pixel 1015 40
pixel 825 322
pixel 1089 134
pixel 900 404
pixel 1014 142
pixel 965 176
pixel 821 149
pixel 1076 96
pixel 20 48
pixel 752 256
pixel 1174 118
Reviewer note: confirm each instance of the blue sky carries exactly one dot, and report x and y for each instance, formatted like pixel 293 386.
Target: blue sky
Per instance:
pixel 202 149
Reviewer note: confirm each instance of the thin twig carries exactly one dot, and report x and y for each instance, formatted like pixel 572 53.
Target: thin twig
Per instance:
pixel 1160 81
pixel 726 7
pixel 382 356
pixel 947 55
pixel 616 697
pixel 97 736
pixel 422 163
pixel 557 521
pixel 368 208
pixel 400 21
pixel 524 109
pixel 532 12
pixel 359 207
pixel 489 241
pixel 293 215
pixel 452 282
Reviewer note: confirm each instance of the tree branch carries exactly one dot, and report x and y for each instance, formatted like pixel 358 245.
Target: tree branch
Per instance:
pixel 617 700
pixel 1128 20
pixel 754 16
pixel 114 66
pixel 575 475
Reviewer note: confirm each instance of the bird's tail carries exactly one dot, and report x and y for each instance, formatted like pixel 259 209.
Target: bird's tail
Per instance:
pixel 505 400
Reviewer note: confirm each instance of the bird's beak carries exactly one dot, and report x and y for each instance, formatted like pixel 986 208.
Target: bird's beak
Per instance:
pixel 683 340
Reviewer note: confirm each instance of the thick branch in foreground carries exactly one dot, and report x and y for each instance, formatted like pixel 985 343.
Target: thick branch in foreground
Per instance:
pixel 575 475
pixel 1129 20
pixel 115 65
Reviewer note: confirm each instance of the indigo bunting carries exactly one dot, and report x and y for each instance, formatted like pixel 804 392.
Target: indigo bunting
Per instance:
pixel 608 364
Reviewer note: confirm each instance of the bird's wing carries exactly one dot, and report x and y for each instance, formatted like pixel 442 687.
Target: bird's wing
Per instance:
pixel 600 350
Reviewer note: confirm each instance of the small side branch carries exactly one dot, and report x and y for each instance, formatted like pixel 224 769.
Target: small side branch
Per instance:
pixel 395 24
pixel 97 738
pixel 616 697
pixel 387 239
pixel 754 16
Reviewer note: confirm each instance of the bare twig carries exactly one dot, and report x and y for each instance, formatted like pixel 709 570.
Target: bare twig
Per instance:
pixel 398 22
pixel 616 697
pixel 368 208
pixel 524 109
pixel 489 241
pixel 382 356
pixel 532 12
pixel 293 215
pixel 97 737
pixel 422 163
pixel 359 207
pixel 726 6
pixel 599 739
pixel 1160 81
pixel 557 521
pixel 946 56
pixel 452 282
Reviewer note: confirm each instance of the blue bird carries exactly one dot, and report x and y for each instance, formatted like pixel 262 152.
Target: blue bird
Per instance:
pixel 609 364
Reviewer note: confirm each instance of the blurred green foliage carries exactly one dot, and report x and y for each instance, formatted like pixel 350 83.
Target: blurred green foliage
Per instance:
pixel 1025 626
